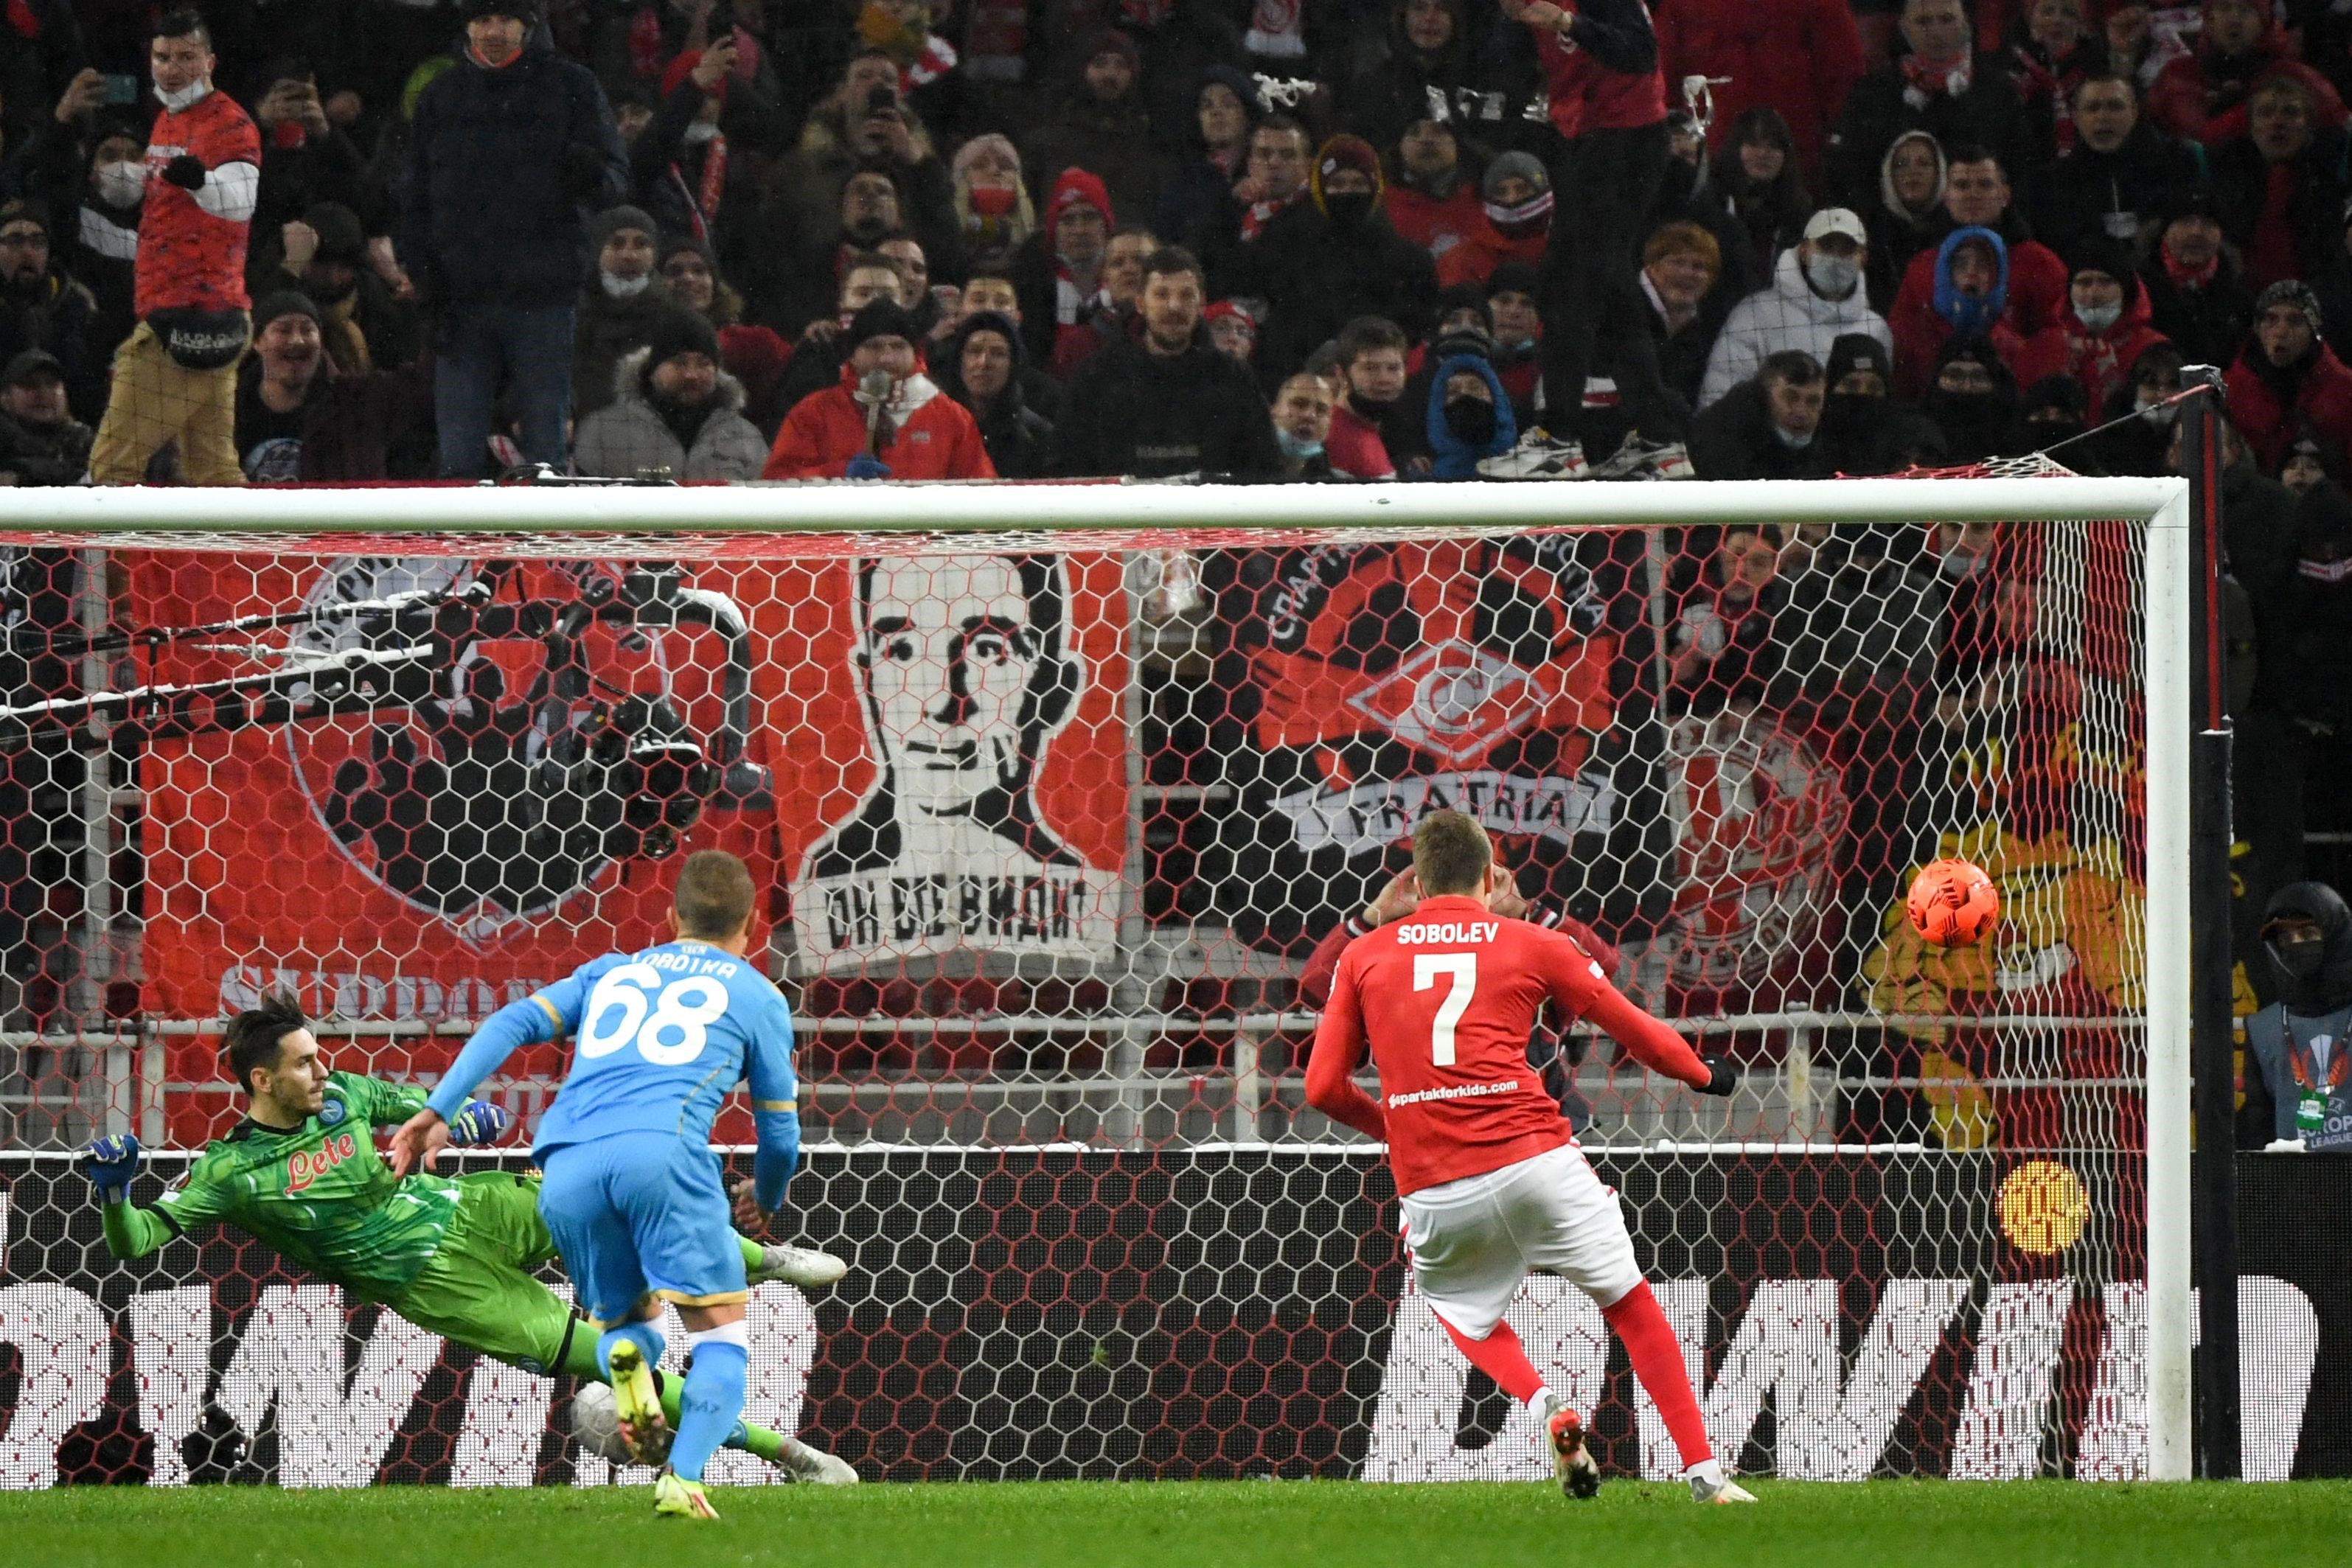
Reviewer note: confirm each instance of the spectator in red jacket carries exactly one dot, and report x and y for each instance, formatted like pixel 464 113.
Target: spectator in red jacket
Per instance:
pixel 1515 224
pixel 2286 377
pixel 2203 96
pixel 1432 201
pixel 1800 56
pixel 1976 195
pixel 1967 303
pixel 2102 333
pixel 886 420
pixel 1371 402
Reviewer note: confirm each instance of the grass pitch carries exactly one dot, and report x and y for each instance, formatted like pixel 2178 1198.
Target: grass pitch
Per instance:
pixel 1882 1524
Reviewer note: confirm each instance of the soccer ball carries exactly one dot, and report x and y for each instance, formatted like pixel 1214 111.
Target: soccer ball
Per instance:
pixel 596 1423
pixel 1953 903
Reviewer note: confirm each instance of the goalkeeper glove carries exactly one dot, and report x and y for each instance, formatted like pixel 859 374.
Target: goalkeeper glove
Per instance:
pixel 1724 1075
pixel 110 1163
pixel 479 1122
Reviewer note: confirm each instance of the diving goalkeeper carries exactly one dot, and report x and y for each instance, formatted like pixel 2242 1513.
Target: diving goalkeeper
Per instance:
pixel 451 1254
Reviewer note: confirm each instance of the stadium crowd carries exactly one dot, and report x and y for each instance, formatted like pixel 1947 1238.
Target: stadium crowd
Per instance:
pixel 1273 240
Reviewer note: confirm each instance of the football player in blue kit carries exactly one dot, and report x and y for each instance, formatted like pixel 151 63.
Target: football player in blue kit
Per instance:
pixel 631 1191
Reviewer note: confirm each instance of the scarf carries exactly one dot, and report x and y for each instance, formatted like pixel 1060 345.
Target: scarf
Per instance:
pixel 1274 30
pixel 900 403
pixel 2187 278
pixel 2042 77
pixel 1926 80
pixel 936 60
pixel 2270 251
pixel 1263 213
pixel 1145 14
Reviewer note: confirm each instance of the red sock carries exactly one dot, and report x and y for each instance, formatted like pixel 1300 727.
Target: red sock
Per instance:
pixel 1657 1358
pixel 1500 1356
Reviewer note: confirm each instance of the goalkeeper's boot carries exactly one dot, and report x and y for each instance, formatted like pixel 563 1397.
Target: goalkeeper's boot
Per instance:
pixel 814 1465
pixel 682 1499
pixel 636 1400
pixel 802 1266
pixel 1710 1484
pixel 1571 1461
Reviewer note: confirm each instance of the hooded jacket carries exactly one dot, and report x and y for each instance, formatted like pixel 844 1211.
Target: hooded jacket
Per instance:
pixel 1316 273
pixel 2101 361
pixel 628 435
pixel 1788 315
pixel 2267 403
pixel 922 434
pixel 1019 439
pixel 1898 233
pixel 1931 314
pixel 1377 103
pixel 2287 1061
pixel 1451 457
pixel 489 214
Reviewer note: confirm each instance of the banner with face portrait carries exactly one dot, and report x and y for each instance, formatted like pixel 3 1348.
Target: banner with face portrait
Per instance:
pixel 431 785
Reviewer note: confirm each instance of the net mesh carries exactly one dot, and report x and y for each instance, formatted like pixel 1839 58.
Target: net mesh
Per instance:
pixel 1058 833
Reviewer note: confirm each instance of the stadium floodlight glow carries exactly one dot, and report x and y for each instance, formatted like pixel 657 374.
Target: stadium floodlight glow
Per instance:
pixel 803 606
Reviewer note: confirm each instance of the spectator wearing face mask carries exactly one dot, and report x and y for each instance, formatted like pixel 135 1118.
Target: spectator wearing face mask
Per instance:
pixel 1968 305
pixel 1971 398
pixel 1516 224
pixel 980 366
pixel 1302 429
pixel 2286 377
pixel 2299 1048
pixel 2197 294
pixel 1469 418
pixel 1344 262
pixel 99 243
pixel 992 209
pixel 1863 430
pixel 1768 426
pixel 674 412
pixel 2052 412
pixel 2103 331
pixel 885 419
pixel 1816 297
pixel 618 306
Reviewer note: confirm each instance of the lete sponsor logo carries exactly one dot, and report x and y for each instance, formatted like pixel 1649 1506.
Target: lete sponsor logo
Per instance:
pixel 304 1166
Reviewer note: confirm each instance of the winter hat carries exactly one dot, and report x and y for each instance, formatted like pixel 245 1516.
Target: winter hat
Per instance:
pixel 2287 291
pixel 1074 187
pixel 2101 255
pixel 676 332
pixel 342 237
pixel 613 220
pixel 524 11
pixel 1344 153
pixel 1513 277
pixel 961 165
pixel 695 243
pixel 1111 41
pixel 1526 165
pixel 1221 309
pixel 1473 342
pixel 1243 87
pixel 880 319
pixel 24 210
pixel 2062 394
pixel 30 366
pixel 1851 352
pixel 284 302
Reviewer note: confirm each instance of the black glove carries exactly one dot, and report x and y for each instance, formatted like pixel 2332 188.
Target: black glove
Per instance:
pixel 187 171
pixel 582 172
pixel 1724 1075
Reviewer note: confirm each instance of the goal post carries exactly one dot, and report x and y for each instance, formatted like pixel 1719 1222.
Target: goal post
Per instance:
pixel 474 720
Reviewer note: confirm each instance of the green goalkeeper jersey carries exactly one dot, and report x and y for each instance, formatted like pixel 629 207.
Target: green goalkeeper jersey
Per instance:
pixel 319 1193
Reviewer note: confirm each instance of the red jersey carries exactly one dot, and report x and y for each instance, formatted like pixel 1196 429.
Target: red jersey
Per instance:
pixel 1355 447
pixel 192 242
pixel 1444 1000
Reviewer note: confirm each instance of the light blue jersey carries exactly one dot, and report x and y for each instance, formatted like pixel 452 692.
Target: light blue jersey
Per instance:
pixel 660 1039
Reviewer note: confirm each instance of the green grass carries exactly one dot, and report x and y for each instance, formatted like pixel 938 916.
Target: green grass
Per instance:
pixel 1884 1524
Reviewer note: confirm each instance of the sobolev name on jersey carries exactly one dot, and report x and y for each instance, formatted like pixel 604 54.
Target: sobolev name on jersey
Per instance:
pixel 1443 931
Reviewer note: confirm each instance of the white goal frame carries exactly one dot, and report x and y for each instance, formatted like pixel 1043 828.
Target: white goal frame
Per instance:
pixel 165 517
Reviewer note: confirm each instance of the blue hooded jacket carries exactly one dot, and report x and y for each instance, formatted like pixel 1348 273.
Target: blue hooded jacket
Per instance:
pixel 1971 317
pixel 1451 457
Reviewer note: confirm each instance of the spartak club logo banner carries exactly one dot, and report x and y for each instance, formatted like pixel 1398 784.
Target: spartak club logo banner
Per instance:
pixel 421 788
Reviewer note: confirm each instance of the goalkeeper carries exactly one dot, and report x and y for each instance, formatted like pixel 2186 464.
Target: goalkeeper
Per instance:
pixel 452 1255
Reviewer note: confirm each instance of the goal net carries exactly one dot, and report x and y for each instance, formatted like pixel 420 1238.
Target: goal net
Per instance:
pixel 1058 803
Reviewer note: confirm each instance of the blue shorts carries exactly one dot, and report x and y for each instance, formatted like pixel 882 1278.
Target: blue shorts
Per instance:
pixel 639 1213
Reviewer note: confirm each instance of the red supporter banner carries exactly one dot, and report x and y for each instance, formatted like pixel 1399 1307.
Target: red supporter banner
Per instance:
pixel 444 782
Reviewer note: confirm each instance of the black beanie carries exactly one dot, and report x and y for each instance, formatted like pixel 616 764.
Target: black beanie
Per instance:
pixel 284 302
pixel 880 319
pixel 677 332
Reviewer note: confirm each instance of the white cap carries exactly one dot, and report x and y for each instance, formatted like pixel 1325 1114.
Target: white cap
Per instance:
pixel 1837 221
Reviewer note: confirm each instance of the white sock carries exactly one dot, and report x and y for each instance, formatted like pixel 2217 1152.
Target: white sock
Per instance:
pixel 1707 1471
pixel 1540 1401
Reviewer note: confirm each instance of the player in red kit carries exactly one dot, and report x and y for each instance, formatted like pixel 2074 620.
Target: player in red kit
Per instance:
pixel 1489 1176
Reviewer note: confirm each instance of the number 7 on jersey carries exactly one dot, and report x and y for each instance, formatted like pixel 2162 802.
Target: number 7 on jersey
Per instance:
pixel 1463 967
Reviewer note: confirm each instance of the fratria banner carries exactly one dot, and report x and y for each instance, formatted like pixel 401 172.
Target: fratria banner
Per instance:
pixel 428 785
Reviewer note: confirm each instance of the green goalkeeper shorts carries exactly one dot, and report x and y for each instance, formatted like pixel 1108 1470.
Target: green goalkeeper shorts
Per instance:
pixel 476 1289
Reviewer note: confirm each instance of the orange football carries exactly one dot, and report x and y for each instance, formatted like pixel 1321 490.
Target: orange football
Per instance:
pixel 1953 903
